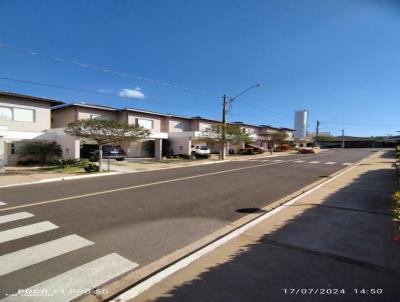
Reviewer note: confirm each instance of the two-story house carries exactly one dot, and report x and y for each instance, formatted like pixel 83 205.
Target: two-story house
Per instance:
pixel 149 147
pixel 23 118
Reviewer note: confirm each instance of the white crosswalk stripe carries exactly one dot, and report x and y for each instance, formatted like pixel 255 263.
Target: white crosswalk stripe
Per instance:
pixel 299 161
pixel 16 216
pixel 330 163
pixel 278 160
pixel 314 162
pixel 27 230
pixel 2 203
pixel 70 285
pixel 346 164
pixel 41 252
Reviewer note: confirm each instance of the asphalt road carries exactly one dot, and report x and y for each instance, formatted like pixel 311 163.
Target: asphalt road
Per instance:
pixel 53 233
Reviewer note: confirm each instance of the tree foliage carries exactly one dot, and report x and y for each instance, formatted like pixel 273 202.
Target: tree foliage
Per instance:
pixel 279 137
pixel 233 134
pixel 105 132
pixel 40 151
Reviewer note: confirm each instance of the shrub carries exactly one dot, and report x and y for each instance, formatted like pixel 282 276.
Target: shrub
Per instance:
pixel 246 151
pixel 39 152
pixel 91 168
pixel 396 197
pixel 284 147
pixel 202 155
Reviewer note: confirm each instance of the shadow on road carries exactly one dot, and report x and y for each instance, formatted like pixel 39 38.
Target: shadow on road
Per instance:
pixel 344 243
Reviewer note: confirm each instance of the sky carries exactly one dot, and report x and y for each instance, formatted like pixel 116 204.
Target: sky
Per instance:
pixel 338 59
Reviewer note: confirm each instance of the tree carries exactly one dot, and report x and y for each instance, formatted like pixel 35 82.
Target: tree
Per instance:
pixel 40 151
pixel 105 132
pixel 234 134
pixel 274 138
pixel 278 137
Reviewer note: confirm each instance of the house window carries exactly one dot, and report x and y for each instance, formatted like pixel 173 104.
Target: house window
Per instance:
pixel 145 123
pixel 5 114
pixel 12 149
pixel 17 114
pixel 24 115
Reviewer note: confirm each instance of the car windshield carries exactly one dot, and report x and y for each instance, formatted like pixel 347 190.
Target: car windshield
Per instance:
pixel 203 148
pixel 108 148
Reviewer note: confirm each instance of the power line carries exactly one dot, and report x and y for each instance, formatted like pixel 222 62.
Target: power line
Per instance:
pixel 92 92
pixel 368 125
pixel 105 70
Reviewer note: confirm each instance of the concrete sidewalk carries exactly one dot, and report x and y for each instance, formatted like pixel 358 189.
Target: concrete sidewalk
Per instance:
pixel 333 245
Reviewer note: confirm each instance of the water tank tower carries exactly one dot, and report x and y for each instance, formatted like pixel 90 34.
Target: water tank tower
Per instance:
pixel 300 123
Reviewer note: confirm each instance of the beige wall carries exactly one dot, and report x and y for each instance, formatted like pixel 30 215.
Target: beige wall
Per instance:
pixel 131 119
pixel 178 125
pixel 180 145
pixel 84 113
pixel 62 117
pixel 41 114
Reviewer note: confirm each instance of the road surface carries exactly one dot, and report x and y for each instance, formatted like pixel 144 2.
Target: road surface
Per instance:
pixel 78 234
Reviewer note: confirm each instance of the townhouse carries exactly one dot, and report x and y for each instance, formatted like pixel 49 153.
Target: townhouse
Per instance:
pixel 150 147
pixel 23 118
pixel 26 118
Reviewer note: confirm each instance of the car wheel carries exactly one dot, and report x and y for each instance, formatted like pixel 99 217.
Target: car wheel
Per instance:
pixel 92 158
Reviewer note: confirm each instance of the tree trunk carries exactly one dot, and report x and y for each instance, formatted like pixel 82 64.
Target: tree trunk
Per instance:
pixel 100 157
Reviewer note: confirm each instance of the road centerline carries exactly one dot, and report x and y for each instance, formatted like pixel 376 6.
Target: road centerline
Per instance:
pixel 39 203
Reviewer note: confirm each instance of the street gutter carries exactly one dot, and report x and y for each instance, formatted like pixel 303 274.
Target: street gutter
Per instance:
pixel 136 282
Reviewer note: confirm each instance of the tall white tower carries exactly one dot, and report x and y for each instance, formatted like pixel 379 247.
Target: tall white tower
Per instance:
pixel 300 123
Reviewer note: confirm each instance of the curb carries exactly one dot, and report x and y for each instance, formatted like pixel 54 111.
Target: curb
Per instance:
pixel 136 282
pixel 46 180
pixel 117 173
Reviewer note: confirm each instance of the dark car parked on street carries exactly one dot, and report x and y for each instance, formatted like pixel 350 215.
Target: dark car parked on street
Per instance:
pixel 109 152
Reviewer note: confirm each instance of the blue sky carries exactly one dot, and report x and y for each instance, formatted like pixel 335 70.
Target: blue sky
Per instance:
pixel 335 58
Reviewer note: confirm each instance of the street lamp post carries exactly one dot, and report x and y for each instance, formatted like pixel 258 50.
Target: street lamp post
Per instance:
pixel 224 112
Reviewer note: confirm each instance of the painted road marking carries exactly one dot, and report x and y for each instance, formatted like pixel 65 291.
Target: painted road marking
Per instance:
pixel 330 163
pixel 39 203
pixel 2 203
pixel 27 230
pixel 265 160
pixel 278 160
pixel 299 161
pixel 16 216
pixel 184 262
pixel 41 252
pixel 347 164
pixel 314 162
pixel 73 283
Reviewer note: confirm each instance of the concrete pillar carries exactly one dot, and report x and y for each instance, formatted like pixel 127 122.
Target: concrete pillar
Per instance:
pixel 158 149
pixel 3 155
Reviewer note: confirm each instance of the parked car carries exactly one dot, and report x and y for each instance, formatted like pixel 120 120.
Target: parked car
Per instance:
pixel 200 150
pixel 256 149
pixel 109 152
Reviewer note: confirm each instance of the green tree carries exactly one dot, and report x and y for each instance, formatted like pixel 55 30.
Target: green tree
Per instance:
pixel 274 138
pixel 105 132
pixel 233 134
pixel 40 151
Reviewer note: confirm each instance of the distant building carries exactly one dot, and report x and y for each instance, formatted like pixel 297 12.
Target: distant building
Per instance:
pixel 300 123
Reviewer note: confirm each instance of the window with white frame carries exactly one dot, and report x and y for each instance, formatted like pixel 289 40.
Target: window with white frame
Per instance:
pixel 24 115
pixel 145 123
pixel 17 114
pixel 99 117
pixel 5 114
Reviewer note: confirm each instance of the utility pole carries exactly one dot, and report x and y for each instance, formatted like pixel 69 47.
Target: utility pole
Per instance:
pixel 342 139
pixel 222 153
pixel 223 134
pixel 317 133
